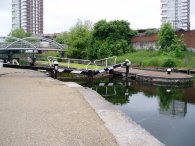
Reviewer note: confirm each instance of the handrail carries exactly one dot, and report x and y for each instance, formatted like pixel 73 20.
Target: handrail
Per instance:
pixel 106 59
pixel 51 59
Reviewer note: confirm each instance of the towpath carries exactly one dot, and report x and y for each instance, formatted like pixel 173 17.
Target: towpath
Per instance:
pixel 37 110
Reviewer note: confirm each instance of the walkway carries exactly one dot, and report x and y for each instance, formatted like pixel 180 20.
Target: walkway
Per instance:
pixel 37 110
pixel 157 77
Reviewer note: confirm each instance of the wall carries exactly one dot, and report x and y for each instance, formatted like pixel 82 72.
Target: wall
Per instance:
pixel 143 42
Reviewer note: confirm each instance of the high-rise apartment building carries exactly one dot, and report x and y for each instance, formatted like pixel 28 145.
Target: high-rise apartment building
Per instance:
pixel 177 12
pixel 28 14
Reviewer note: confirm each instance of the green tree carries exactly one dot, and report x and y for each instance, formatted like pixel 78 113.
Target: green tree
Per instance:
pixel 20 33
pixel 110 38
pixel 169 41
pixel 61 38
pixel 166 37
pixel 78 40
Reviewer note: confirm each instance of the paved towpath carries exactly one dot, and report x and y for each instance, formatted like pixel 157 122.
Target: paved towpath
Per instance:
pixel 36 110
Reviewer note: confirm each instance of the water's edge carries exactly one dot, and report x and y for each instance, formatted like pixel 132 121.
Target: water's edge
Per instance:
pixel 124 129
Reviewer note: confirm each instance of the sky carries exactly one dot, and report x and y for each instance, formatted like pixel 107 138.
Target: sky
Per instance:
pixel 61 15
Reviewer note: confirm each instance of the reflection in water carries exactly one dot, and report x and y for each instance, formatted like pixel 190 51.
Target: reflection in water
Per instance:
pixel 118 93
pixel 167 113
pixel 114 94
pixel 114 91
pixel 171 102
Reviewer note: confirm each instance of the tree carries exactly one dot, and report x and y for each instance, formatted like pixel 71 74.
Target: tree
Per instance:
pixel 166 37
pixel 61 38
pixel 20 33
pixel 114 29
pixel 78 40
pixel 169 41
pixel 110 38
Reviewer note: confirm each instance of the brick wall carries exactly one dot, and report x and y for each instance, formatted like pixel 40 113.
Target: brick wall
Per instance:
pixel 189 38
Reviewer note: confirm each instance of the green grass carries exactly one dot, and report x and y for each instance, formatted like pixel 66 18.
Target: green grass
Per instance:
pixel 148 58
pixel 144 58
pixel 72 65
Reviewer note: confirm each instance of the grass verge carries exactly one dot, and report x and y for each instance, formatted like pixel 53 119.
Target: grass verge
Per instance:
pixel 151 58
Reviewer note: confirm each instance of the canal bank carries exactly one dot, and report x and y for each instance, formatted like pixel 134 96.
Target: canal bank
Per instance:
pixel 157 77
pixel 37 110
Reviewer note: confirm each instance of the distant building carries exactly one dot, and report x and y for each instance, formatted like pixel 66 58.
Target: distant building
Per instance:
pixel 28 14
pixel 177 12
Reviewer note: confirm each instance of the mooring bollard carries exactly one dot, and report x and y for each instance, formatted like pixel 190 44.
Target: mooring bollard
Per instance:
pixel 127 64
pixel 169 71
pixel 55 63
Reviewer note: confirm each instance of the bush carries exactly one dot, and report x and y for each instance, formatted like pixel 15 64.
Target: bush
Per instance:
pixel 169 63
pixel 170 42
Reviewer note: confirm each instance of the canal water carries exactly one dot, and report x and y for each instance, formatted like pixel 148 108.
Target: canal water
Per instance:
pixel 167 113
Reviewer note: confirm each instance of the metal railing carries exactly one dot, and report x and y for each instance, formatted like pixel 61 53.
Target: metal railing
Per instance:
pixel 110 61
pixel 105 62
pixel 69 61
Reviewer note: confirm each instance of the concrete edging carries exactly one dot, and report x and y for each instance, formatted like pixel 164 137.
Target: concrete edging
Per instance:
pixel 124 129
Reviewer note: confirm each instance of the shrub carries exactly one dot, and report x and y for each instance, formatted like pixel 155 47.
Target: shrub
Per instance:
pixel 170 42
pixel 169 63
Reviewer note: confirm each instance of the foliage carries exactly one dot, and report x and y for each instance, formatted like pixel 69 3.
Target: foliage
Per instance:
pixel 151 32
pixel 151 58
pixel 169 41
pixel 20 33
pixel 114 29
pixel 107 48
pixel 78 40
pixel 61 38
pixel 166 98
pixel 44 55
pixel 169 63
pixel 180 46
pixel 166 37
pixel 71 65
pixel 103 40
pixel 110 38
pixel 23 62
pixel 154 61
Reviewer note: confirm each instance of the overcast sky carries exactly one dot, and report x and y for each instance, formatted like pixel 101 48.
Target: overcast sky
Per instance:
pixel 60 15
